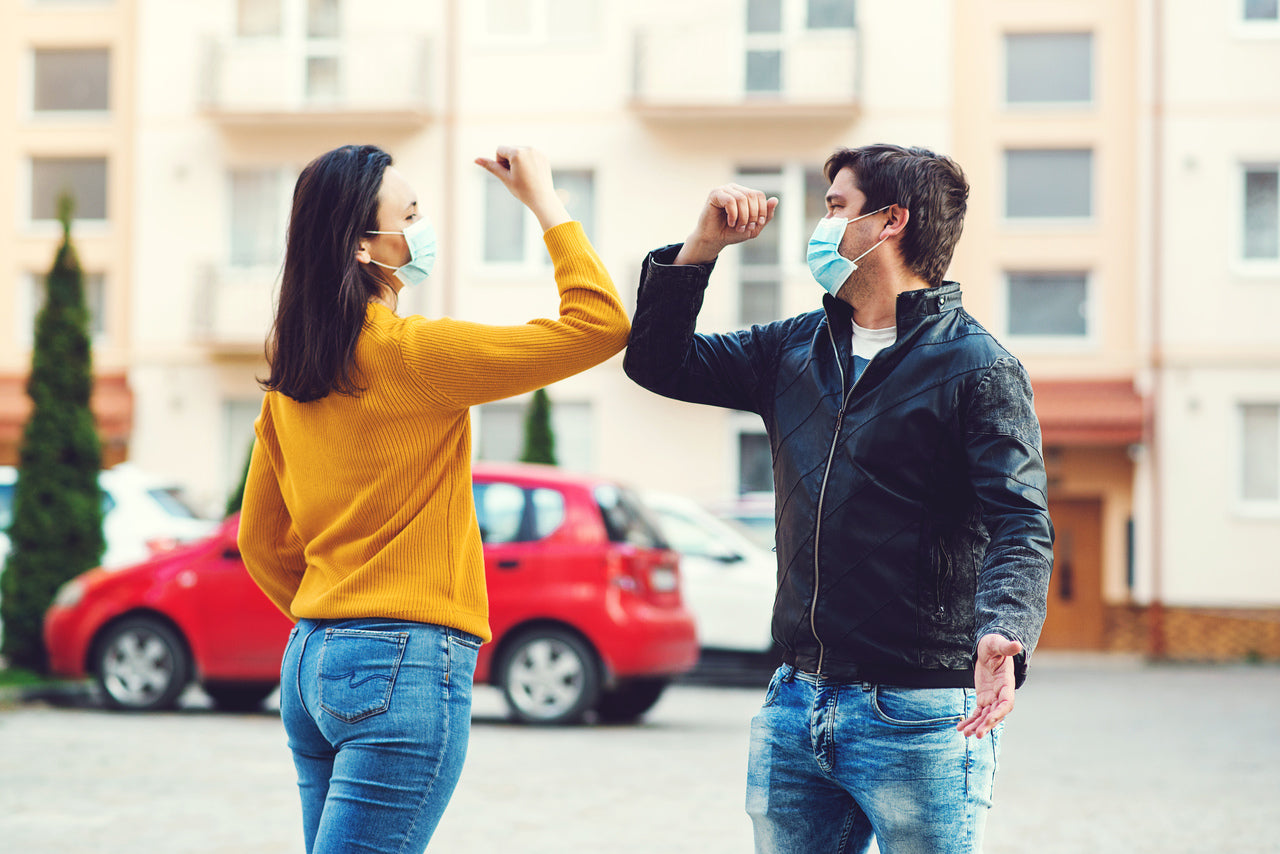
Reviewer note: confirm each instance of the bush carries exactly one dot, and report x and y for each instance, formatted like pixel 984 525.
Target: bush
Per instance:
pixel 56 532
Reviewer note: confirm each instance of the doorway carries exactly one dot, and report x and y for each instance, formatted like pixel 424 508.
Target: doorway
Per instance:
pixel 1075 615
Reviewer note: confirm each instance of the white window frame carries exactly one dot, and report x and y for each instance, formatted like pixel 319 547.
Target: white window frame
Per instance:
pixel 1245 507
pixel 740 424
pixel 534 259
pixel 1050 223
pixel 794 31
pixel 1048 105
pixel 1252 267
pixel 1052 344
pixel 569 447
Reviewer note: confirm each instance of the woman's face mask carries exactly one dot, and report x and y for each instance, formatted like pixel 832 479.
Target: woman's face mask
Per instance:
pixel 827 265
pixel 421 238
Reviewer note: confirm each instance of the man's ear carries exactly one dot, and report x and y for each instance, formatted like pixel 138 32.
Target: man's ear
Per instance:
pixel 897 222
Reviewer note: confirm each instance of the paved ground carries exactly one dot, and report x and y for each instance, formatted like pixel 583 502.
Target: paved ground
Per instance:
pixel 1102 755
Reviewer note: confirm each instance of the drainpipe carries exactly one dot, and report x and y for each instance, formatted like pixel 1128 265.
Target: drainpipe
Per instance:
pixel 1155 612
pixel 449 124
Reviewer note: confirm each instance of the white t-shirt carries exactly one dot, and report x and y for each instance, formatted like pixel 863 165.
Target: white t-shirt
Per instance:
pixel 868 342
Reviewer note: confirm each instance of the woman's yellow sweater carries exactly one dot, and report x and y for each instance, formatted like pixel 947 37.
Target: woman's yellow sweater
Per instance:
pixel 361 506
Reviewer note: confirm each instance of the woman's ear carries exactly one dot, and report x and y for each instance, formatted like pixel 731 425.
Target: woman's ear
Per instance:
pixel 362 252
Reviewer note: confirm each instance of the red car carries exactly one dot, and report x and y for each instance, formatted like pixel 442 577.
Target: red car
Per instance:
pixel 584 600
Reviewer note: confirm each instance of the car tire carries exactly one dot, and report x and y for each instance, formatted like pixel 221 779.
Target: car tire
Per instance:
pixel 629 701
pixel 238 696
pixel 141 665
pixel 549 676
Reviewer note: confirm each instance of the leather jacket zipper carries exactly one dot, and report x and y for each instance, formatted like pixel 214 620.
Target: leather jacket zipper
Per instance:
pixel 822 495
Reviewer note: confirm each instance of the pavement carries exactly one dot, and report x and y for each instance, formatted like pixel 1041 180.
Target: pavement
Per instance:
pixel 1101 755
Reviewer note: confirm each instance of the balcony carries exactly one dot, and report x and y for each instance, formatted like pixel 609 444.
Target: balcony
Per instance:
pixel 811 76
pixel 258 81
pixel 233 309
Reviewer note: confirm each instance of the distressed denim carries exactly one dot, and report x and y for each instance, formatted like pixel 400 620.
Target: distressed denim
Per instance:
pixel 378 714
pixel 835 765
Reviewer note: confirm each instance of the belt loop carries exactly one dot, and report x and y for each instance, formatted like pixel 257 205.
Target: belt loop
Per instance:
pixel 788 673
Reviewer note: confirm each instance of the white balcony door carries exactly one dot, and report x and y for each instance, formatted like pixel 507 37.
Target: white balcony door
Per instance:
pixel 308 32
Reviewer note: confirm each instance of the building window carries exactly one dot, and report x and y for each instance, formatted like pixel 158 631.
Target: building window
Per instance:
pixel 71 80
pixel 755 463
pixel 1048 304
pixel 760 267
pixel 542 21
pixel 31 299
pixel 1260 453
pixel 83 178
pixel 259 18
pixel 237 424
pixel 257 216
pixel 1048 183
pixel 830 14
pixel 500 432
pixel 1046 68
pixel 1261 10
pixel 1262 213
pixel 512 235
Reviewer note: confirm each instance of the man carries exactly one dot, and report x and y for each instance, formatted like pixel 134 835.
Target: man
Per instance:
pixel 913 538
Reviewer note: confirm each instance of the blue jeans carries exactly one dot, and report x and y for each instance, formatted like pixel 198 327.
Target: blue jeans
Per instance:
pixel 834 765
pixel 378 713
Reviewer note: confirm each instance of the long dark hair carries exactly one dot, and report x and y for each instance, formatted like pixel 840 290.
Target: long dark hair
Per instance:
pixel 325 291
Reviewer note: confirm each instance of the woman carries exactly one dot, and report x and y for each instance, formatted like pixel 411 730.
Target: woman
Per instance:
pixel 358 519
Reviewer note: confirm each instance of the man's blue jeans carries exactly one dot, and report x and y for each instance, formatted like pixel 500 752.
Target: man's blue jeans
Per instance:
pixel 378 713
pixel 834 765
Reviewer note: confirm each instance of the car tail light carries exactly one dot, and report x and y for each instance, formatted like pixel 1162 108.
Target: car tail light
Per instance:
pixel 651 573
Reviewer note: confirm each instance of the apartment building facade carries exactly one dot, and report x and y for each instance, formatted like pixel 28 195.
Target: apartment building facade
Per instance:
pixel 67 97
pixel 1122 165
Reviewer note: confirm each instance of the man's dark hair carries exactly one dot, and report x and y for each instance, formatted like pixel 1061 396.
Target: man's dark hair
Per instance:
pixel 931 186
pixel 324 291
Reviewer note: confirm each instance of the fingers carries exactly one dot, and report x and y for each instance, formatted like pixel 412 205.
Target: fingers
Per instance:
pixel 744 209
pixel 984 719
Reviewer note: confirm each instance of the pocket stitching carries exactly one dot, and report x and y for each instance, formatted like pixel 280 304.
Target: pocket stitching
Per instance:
pixel 927 722
pixel 401 639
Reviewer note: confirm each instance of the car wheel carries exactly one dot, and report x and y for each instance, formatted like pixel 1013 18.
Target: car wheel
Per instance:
pixel 627 702
pixel 549 676
pixel 238 696
pixel 141 664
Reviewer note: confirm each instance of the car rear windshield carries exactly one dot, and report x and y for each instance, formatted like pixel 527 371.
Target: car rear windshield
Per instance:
pixel 625 518
pixel 171 499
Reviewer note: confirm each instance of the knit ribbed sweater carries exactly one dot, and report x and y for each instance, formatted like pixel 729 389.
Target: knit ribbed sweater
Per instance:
pixel 361 506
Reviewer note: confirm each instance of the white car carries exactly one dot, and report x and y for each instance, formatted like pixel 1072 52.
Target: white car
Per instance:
pixel 727 580
pixel 142 514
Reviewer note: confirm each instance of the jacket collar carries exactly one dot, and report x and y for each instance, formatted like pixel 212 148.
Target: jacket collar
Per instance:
pixel 913 306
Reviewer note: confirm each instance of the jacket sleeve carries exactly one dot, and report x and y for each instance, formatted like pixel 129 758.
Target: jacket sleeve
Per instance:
pixel 270 546
pixel 1006 467
pixel 666 356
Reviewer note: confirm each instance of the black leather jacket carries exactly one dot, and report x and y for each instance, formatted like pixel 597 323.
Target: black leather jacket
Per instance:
pixel 926 475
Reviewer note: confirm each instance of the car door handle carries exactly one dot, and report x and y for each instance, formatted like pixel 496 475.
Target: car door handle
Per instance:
pixel 508 564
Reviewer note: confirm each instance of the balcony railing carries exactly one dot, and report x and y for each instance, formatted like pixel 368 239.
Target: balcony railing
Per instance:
pixel 267 79
pixel 233 308
pixel 702 74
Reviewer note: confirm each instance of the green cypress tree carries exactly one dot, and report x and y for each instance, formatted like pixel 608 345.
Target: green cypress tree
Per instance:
pixel 56 532
pixel 236 498
pixel 539 440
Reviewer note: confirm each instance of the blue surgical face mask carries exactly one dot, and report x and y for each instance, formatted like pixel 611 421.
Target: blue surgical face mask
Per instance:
pixel 827 265
pixel 421 237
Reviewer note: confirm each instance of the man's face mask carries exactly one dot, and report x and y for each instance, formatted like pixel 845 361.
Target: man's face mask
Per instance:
pixel 421 237
pixel 827 265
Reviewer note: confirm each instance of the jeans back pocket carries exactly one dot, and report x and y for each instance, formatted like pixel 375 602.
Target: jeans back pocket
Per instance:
pixel 358 671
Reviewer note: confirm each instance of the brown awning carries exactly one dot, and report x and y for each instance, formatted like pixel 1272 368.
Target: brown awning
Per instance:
pixel 1088 412
pixel 112 403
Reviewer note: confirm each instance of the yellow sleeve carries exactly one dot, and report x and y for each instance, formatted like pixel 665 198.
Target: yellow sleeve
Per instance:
pixel 467 364
pixel 271 548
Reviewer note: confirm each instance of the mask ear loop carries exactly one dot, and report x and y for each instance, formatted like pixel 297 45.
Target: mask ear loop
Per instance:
pixel 881 240
pixel 401 233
